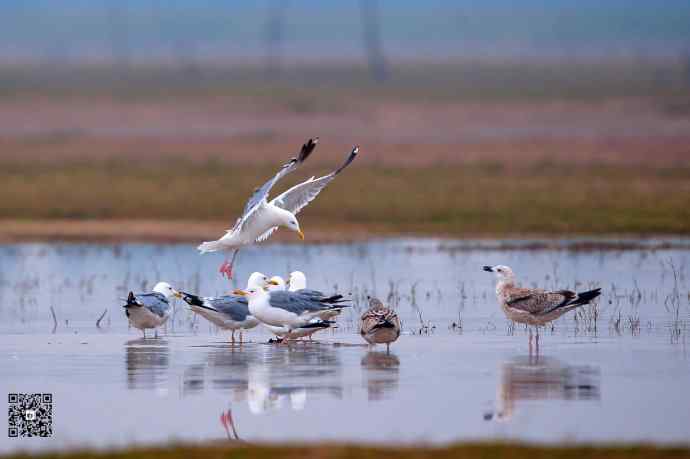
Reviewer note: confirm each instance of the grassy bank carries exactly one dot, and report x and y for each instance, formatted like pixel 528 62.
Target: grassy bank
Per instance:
pixel 479 451
pixel 480 199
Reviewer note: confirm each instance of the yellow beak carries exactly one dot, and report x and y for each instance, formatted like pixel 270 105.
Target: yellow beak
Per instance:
pixel 239 292
pixel 177 294
pixel 301 234
pixel 273 282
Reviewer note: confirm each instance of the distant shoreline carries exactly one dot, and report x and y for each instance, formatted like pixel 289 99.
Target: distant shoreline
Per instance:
pixel 189 232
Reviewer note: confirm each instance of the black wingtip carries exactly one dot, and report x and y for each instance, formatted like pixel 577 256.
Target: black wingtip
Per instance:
pixel 192 300
pixel 350 158
pixel 307 149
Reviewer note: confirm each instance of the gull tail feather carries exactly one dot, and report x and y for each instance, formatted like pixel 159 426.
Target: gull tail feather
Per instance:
pixel 585 297
pixel 209 246
pixel 131 301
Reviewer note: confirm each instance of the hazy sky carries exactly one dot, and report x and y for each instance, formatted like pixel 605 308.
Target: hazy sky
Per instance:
pixel 141 29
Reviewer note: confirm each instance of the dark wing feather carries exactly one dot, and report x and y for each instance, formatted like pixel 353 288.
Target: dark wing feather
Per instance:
pixel 261 193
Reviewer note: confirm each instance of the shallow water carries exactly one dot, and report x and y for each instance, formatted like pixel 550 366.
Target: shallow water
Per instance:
pixel 617 372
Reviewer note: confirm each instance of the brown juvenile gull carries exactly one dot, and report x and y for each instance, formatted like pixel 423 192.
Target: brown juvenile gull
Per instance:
pixel 379 324
pixel 262 217
pixel 534 306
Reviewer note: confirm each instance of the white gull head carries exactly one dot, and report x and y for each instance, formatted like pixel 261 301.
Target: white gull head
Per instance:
pixel 297 281
pixel 503 273
pixel 166 289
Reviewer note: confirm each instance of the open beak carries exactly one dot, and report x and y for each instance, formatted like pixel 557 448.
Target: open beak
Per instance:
pixel 301 234
pixel 488 269
pixel 273 282
pixel 239 292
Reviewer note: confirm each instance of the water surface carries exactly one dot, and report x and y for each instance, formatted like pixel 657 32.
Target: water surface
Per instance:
pixel 616 372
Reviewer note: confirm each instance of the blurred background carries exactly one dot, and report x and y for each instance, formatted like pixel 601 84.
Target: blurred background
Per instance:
pixel 155 120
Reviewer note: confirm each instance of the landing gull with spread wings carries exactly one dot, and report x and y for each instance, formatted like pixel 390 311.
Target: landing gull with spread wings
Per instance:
pixel 262 217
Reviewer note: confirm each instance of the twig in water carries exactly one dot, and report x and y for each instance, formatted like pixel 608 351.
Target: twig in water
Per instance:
pixel 98 322
pixel 55 323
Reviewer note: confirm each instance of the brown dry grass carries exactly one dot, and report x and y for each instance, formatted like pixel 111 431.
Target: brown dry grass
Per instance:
pixel 472 451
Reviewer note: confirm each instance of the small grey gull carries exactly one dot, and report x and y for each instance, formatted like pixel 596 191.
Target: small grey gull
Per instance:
pixel 379 324
pixel 534 306
pixel 229 312
pixel 150 310
pixel 262 217
pixel 288 309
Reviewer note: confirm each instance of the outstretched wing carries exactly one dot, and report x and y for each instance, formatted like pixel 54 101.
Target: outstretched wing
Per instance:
pixel 302 194
pixel 261 193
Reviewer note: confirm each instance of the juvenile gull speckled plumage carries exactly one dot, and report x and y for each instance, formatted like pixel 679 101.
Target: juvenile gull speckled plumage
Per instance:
pixel 379 324
pixel 534 306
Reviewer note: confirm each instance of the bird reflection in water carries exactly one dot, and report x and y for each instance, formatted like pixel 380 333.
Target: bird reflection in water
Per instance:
pixel 268 378
pixel 147 362
pixel 228 422
pixel 381 372
pixel 529 378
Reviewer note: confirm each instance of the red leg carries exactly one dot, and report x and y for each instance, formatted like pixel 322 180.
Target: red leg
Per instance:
pixel 226 268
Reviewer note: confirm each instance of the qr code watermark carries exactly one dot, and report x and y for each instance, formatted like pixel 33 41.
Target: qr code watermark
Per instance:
pixel 30 415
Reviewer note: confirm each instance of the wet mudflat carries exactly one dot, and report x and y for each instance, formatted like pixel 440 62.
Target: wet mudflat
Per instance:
pixel 614 372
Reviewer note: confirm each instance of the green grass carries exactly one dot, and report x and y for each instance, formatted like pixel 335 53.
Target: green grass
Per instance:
pixel 478 451
pixel 451 200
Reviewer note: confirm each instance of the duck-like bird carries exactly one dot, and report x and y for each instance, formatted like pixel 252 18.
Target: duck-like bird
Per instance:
pixel 288 309
pixel 534 306
pixel 379 324
pixel 150 310
pixel 262 217
pixel 229 312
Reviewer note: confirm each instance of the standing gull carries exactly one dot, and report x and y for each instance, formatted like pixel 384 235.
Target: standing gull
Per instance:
pixel 379 324
pixel 297 282
pixel 534 306
pixel 262 217
pixel 150 310
pixel 287 309
pixel 229 312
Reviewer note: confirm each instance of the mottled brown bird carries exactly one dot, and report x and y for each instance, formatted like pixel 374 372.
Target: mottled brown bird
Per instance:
pixel 534 306
pixel 379 324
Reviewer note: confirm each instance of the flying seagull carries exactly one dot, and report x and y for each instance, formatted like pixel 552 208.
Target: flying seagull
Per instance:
pixel 379 324
pixel 288 309
pixel 229 312
pixel 150 310
pixel 534 306
pixel 262 217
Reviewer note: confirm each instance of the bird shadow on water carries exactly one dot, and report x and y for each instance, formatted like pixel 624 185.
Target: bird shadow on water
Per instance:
pixel 147 361
pixel 381 374
pixel 530 378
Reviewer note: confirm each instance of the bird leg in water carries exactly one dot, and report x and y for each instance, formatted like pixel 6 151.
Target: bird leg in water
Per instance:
pixel 232 337
pixel 226 268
